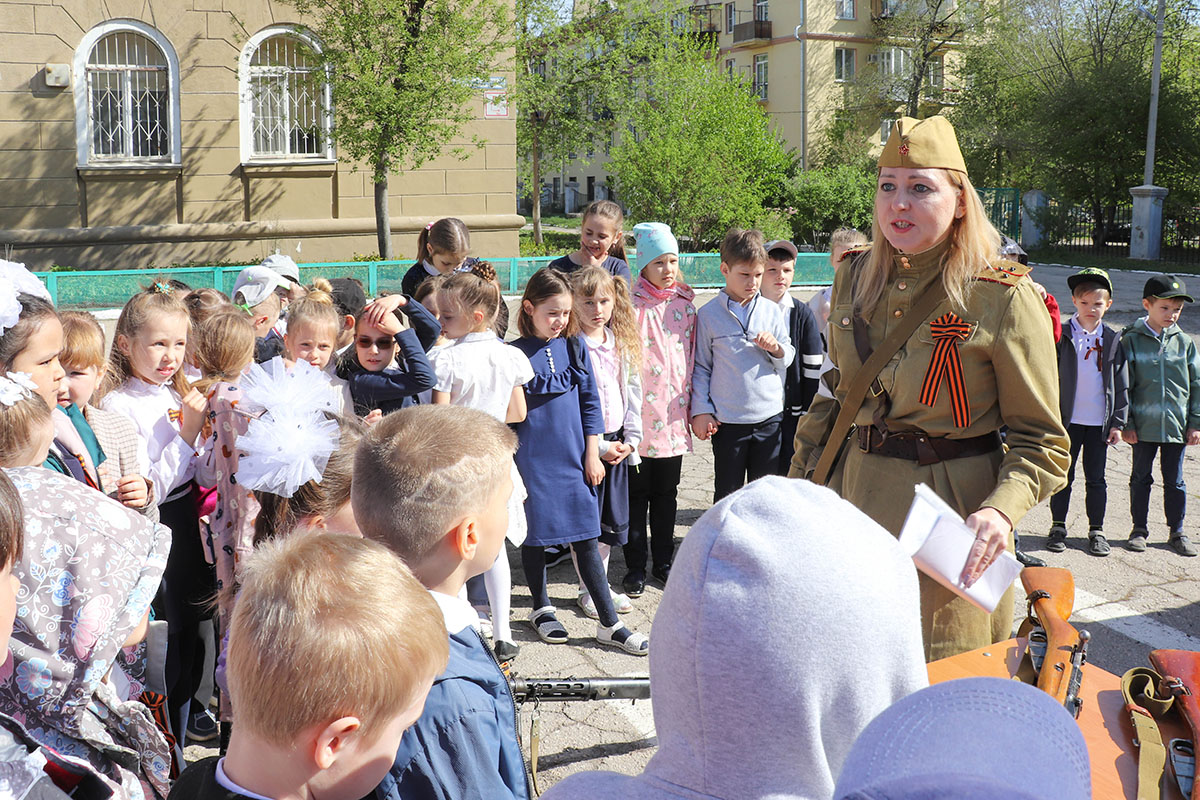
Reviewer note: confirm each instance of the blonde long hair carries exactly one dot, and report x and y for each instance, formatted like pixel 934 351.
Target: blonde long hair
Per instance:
pixel 974 243
pixel 597 281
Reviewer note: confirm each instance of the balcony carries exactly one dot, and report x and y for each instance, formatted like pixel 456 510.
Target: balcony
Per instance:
pixel 706 22
pixel 752 31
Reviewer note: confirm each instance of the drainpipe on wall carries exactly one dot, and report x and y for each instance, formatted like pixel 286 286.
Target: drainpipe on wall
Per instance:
pixel 801 37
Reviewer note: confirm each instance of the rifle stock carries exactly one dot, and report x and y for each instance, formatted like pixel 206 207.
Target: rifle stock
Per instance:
pixel 577 689
pixel 1180 670
pixel 1051 595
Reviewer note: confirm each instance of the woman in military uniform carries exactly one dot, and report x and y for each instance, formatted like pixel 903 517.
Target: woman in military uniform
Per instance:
pixel 983 359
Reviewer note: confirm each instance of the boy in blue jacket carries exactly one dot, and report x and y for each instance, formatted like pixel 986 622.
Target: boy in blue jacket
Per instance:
pixel 432 483
pixel 742 353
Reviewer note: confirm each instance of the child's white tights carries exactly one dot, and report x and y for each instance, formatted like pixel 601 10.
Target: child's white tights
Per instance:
pixel 498 581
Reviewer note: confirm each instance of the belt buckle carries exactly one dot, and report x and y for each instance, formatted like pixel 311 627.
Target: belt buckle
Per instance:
pixel 876 388
pixel 866 438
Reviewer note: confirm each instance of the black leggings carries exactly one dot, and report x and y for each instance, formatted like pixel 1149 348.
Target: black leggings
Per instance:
pixel 188 585
pixel 591 569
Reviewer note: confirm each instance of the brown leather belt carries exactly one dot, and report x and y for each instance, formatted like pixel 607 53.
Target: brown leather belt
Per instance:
pixel 921 447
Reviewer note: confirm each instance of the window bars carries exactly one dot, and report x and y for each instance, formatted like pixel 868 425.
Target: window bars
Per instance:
pixel 288 108
pixel 128 85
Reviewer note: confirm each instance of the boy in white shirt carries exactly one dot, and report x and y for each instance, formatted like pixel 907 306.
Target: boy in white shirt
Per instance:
pixel 1094 399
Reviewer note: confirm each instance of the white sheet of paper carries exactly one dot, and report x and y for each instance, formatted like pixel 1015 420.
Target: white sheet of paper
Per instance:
pixel 940 543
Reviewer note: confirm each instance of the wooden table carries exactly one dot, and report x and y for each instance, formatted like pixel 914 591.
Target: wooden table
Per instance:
pixel 1103 719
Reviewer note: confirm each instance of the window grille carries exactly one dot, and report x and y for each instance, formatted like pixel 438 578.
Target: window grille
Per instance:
pixel 128 89
pixel 288 113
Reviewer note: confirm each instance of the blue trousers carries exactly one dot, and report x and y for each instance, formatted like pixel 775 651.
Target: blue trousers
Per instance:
pixel 1140 481
pixel 1093 441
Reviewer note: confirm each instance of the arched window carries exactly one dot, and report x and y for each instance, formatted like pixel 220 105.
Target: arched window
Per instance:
pixel 126 96
pixel 285 100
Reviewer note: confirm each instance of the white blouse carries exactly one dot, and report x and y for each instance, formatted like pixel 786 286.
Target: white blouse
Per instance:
pixel 156 412
pixel 480 371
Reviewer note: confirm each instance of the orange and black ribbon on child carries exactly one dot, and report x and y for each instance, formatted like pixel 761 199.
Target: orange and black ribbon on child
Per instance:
pixel 948 330
pixel 1098 349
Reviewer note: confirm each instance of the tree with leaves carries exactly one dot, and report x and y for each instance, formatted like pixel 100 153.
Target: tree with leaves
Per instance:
pixel 697 151
pixel 576 71
pixel 1061 104
pixel 402 75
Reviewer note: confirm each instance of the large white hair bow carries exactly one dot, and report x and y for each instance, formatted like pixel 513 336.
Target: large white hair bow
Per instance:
pixel 16 280
pixel 291 441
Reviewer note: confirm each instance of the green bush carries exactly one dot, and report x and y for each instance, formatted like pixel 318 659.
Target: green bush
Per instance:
pixel 823 200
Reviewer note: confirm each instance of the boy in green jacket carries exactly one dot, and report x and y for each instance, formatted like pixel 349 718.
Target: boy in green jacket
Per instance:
pixel 1164 413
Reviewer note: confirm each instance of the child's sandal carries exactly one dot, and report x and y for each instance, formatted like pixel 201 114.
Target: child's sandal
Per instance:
pixel 547 626
pixel 619 636
pixel 622 603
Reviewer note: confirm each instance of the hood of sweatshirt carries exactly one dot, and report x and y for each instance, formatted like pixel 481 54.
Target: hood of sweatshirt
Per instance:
pixel 791 619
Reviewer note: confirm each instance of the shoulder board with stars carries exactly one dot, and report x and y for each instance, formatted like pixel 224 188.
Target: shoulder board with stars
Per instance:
pixel 1009 273
pixel 850 253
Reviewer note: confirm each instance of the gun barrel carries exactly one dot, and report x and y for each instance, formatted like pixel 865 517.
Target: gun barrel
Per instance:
pixel 579 689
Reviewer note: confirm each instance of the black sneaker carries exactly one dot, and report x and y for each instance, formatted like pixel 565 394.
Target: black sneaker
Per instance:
pixel 557 554
pixel 1097 544
pixel 1180 544
pixel 203 727
pixel 1058 539
pixel 634 584
pixel 1137 540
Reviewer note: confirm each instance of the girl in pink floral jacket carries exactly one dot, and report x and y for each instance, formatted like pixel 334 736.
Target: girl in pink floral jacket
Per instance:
pixel 667 322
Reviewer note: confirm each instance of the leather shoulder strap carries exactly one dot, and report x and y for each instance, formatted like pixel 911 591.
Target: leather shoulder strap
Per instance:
pixel 857 392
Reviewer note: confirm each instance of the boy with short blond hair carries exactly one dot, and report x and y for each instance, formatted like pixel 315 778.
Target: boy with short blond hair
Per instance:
pixel 432 483
pixel 1094 401
pixel 84 360
pixel 332 650
pixel 1164 407
pixel 742 352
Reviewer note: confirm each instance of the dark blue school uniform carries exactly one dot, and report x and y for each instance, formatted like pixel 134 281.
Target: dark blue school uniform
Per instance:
pixel 563 408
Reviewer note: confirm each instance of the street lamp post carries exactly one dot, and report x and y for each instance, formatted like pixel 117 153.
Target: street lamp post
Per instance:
pixel 1145 241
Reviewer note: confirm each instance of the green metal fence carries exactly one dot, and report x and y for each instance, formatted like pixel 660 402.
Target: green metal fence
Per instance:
pixel 111 288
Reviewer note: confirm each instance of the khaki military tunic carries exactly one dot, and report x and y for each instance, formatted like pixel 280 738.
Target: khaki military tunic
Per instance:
pixel 1010 378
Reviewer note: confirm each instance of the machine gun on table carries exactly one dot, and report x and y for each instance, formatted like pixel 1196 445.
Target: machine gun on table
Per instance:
pixel 1057 650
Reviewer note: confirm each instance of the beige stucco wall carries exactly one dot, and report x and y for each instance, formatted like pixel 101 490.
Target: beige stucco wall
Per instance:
pixel 212 208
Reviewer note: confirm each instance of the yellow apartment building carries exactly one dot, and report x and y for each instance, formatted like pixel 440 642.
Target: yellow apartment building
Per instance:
pixel 802 60
pixel 135 133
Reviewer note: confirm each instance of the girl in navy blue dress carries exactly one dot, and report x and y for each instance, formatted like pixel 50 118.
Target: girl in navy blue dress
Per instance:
pixel 559 459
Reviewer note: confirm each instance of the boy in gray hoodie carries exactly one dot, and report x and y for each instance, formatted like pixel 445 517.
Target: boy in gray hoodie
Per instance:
pixel 790 621
pixel 742 354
